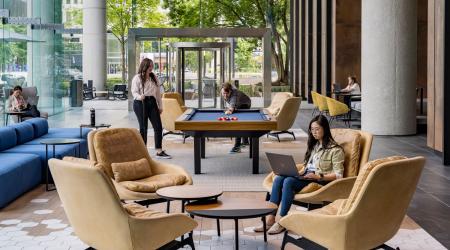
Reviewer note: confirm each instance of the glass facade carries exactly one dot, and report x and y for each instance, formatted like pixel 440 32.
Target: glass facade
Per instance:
pixel 32 52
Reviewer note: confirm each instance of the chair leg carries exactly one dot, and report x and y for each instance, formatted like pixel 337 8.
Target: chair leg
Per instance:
pixel 300 242
pixel 278 137
pixel 267 196
pixel 386 247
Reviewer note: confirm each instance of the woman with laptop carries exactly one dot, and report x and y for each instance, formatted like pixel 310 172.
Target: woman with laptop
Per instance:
pixel 324 162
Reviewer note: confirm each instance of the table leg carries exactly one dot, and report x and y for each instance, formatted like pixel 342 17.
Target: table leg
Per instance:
pixel 264 227
pixel 236 234
pixel 203 148
pixel 168 206
pixel 6 120
pixel 218 227
pixel 182 206
pixel 79 150
pixel 197 159
pixel 46 169
pixel 81 132
pixel 250 150
pixel 255 154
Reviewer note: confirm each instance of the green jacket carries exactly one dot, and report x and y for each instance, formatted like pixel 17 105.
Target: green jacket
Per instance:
pixel 331 160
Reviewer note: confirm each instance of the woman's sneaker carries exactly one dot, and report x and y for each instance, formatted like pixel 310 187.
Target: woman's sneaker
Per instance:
pixel 276 228
pixel 260 228
pixel 163 155
pixel 235 150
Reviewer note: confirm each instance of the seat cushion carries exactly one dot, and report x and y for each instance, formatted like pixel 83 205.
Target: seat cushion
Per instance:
pixel 67 133
pixel 362 176
pixel 40 126
pixel 24 132
pixel 39 150
pixel 18 174
pixel 8 138
pixel 140 211
pixel 350 141
pixel 155 182
pixel 131 170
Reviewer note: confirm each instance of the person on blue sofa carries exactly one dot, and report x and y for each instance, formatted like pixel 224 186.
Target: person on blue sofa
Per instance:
pixel 18 103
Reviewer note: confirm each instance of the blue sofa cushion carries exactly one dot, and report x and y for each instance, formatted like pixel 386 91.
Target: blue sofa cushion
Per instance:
pixel 40 126
pixel 8 138
pixel 24 132
pixel 84 147
pixel 60 151
pixel 18 174
pixel 67 133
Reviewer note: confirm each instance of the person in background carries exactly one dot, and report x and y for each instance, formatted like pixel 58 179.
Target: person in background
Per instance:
pixel 352 86
pixel 147 104
pixel 234 100
pixel 18 103
pixel 324 162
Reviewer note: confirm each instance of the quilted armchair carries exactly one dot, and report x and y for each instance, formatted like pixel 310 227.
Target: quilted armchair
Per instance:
pixel 357 145
pixel 122 145
pixel 172 110
pixel 284 108
pixel 370 216
pixel 101 221
pixel 30 94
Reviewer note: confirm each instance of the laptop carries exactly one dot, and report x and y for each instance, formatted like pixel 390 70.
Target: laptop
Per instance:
pixel 336 88
pixel 283 165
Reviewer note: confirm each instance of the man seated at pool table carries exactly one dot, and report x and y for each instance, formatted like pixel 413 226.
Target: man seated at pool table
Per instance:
pixel 235 99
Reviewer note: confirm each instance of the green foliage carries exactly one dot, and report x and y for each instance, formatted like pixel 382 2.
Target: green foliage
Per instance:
pixel 75 18
pixel 242 13
pixel 110 82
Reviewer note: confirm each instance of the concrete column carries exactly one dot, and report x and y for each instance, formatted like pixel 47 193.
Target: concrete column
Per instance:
pixel 389 66
pixel 94 42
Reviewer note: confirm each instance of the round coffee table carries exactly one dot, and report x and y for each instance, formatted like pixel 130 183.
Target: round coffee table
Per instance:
pixel 187 193
pixel 53 142
pixel 233 209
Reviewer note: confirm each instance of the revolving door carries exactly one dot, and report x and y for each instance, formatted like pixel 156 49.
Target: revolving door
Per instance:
pixel 199 70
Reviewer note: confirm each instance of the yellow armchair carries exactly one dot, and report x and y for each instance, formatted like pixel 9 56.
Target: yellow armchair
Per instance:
pixel 321 103
pixel 100 220
pixel 357 146
pixel 118 145
pixel 171 111
pixel 370 216
pixel 176 96
pixel 284 108
pixel 315 102
pixel 336 108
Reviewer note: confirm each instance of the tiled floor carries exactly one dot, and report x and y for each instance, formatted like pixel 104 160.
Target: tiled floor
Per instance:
pixel 430 206
pixel 37 221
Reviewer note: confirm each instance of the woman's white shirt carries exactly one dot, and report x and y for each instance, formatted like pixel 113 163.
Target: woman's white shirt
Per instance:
pixel 150 89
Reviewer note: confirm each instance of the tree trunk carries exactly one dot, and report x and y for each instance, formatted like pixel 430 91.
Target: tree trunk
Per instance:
pixel 124 67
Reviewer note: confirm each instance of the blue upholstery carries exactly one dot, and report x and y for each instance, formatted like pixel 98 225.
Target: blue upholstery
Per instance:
pixel 18 174
pixel 8 138
pixel 24 132
pixel 60 151
pixel 22 157
pixel 66 133
pixel 40 126
pixel 84 147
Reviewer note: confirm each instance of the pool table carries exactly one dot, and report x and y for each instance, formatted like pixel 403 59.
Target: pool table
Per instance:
pixel 202 123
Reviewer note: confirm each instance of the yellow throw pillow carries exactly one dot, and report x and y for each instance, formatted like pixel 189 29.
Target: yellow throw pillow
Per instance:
pixel 131 170
pixel 155 182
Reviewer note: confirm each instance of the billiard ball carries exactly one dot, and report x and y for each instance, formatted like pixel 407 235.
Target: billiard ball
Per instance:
pixel 220 118
pixel 234 118
pixel 227 118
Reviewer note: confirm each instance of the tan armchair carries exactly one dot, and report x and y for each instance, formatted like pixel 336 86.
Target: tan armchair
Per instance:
pixel 172 110
pixel 352 141
pixel 370 216
pixel 117 145
pixel 176 96
pixel 98 218
pixel 283 108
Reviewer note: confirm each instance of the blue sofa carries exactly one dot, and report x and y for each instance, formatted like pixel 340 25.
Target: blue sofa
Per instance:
pixel 22 156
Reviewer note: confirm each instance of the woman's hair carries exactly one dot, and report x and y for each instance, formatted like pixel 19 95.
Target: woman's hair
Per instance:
pixel 328 141
pixel 354 80
pixel 145 64
pixel 17 88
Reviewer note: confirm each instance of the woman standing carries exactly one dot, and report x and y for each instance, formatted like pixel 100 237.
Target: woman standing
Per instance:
pixel 147 104
pixel 324 162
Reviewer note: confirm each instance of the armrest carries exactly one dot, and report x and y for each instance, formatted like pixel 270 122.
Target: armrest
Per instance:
pixel 79 160
pixel 338 189
pixel 167 168
pixel 161 228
